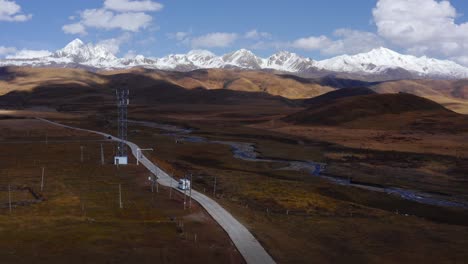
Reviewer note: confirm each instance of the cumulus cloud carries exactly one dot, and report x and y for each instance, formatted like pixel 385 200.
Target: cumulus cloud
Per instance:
pixel 105 19
pixel 130 54
pixel 29 54
pixel 352 42
pixel 75 28
pixel 6 50
pixel 125 15
pixel 422 27
pixel 113 44
pixel 214 40
pixel 179 36
pixel 255 34
pixel 311 43
pixel 346 41
pixel 132 6
pixel 10 11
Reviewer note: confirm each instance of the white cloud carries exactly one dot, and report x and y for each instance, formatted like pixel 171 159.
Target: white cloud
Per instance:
pixel 132 6
pixel 461 59
pixel 347 41
pixel 214 40
pixel 311 43
pixel 75 28
pixel 104 19
pixel 179 36
pixel 10 11
pixel 116 14
pixel 422 27
pixel 29 54
pixel 6 50
pixel 352 42
pixel 130 54
pixel 113 44
pixel 255 34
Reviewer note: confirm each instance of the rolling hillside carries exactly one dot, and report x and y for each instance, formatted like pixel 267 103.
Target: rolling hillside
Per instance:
pixel 380 111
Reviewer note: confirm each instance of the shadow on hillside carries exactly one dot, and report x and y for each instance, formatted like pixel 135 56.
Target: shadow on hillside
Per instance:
pixel 143 91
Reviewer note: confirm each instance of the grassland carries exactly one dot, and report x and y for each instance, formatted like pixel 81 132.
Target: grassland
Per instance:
pixel 301 218
pixel 297 217
pixel 80 220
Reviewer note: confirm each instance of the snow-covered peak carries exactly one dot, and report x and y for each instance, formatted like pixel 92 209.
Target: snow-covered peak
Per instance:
pixel 73 47
pixel 287 61
pixel 204 59
pixel 382 59
pixel 78 52
pixel 243 59
pixel 200 53
pixel 375 62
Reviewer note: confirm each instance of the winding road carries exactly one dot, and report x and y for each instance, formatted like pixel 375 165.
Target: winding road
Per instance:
pixel 248 246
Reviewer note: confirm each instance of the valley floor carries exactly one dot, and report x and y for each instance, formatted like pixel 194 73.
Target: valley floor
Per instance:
pixel 297 217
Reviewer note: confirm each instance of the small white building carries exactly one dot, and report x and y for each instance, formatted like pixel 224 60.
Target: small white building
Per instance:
pixel 121 160
pixel 184 184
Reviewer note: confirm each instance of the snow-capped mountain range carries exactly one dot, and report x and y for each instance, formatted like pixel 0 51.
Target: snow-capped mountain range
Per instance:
pixel 376 62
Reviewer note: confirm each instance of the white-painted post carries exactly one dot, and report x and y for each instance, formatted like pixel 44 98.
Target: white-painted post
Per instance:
pixel 42 179
pixel 191 183
pixel 185 197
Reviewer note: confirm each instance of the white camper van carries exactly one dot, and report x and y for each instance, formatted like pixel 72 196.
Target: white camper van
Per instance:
pixel 184 184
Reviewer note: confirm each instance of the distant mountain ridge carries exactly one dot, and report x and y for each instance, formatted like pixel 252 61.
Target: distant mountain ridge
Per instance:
pixel 378 62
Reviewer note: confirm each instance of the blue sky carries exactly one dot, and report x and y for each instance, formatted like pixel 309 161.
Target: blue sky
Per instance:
pixel 317 29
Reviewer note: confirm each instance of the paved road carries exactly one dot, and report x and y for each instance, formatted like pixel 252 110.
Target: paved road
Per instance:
pixel 248 246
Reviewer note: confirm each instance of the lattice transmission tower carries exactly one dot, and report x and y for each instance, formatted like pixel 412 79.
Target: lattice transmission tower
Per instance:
pixel 122 105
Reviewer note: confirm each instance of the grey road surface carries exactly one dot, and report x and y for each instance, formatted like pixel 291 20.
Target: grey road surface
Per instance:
pixel 248 246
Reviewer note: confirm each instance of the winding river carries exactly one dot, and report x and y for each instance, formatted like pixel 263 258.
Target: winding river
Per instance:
pixel 247 151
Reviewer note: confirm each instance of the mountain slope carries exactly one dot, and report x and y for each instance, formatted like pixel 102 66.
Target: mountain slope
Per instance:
pixel 338 94
pixel 382 63
pixel 451 94
pixel 381 111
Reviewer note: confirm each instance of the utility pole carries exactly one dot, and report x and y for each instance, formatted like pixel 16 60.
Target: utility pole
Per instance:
pixel 82 157
pixel 214 188
pixel 191 183
pixel 9 197
pixel 120 196
pixel 42 179
pixel 102 155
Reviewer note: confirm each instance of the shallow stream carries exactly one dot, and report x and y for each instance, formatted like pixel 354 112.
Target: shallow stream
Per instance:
pixel 247 151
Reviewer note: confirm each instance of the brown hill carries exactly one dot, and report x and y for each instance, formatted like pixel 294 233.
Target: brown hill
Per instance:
pixel 78 90
pixel 237 80
pixel 449 93
pixel 381 111
pixel 338 94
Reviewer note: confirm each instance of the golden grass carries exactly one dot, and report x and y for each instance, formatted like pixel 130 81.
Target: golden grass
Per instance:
pixel 26 78
pixel 81 221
